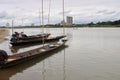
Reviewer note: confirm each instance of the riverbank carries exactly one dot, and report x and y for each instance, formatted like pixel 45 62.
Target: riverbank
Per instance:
pixel 3 34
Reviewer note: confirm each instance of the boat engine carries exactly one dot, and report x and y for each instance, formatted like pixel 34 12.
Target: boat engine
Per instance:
pixel 3 56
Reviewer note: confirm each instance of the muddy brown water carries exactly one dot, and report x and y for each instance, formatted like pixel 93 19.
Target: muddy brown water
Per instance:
pixel 89 54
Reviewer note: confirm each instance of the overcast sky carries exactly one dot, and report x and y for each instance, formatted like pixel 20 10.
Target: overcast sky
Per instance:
pixel 82 11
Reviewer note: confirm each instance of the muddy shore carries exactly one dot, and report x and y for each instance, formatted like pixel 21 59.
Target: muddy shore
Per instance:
pixel 3 33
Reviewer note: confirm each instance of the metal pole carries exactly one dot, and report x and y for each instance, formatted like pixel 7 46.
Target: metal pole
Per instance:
pixel 49 16
pixel 22 24
pixel 42 23
pixel 63 19
pixel 49 11
pixel 12 25
pixel 42 18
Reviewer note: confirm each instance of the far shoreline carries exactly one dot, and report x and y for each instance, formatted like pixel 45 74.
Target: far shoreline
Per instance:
pixel 62 27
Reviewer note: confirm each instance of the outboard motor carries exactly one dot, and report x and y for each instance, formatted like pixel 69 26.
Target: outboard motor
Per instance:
pixel 3 56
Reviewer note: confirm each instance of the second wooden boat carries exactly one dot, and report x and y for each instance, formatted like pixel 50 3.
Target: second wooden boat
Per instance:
pixel 7 61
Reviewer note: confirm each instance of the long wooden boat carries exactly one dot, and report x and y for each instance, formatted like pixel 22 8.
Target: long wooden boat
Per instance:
pixel 7 61
pixel 35 40
pixel 16 37
pixel 10 71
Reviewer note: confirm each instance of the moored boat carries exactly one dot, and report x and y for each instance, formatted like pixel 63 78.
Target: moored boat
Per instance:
pixel 36 39
pixel 20 37
pixel 7 61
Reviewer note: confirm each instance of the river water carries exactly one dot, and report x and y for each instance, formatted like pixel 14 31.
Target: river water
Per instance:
pixel 89 54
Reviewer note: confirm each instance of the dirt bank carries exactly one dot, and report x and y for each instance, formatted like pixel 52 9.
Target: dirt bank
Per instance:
pixel 3 34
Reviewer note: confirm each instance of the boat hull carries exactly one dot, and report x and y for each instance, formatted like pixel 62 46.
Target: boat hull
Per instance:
pixel 33 55
pixel 40 40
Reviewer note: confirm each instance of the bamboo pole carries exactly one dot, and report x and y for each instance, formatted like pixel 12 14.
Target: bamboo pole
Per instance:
pixel 63 18
pixel 43 23
pixel 12 25
pixel 49 12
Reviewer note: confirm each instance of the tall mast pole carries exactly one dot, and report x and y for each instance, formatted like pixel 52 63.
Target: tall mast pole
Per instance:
pixel 12 25
pixel 64 34
pixel 49 14
pixel 42 18
pixel 49 11
pixel 63 19
pixel 22 24
pixel 42 23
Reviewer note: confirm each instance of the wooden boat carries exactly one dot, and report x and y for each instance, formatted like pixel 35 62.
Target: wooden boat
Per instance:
pixel 17 37
pixel 10 71
pixel 35 40
pixel 7 61
pixel 20 38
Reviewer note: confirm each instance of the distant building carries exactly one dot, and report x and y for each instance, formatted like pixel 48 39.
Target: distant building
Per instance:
pixel 69 20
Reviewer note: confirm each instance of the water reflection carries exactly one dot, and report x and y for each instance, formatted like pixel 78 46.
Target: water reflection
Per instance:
pixel 44 70
pixel 64 66
pixel 9 72
pixel 93 54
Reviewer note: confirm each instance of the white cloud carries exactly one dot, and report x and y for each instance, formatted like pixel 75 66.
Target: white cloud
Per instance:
pixel 83 11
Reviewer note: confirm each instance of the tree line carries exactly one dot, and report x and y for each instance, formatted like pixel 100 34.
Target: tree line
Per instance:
pixel 104 23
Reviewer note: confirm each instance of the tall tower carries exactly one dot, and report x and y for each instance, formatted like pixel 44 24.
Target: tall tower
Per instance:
pixel 69 20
